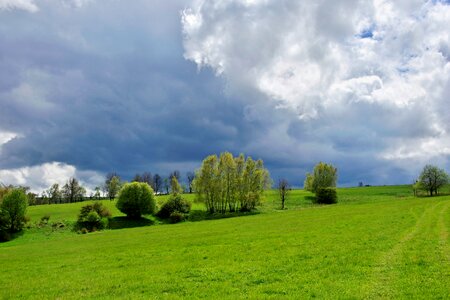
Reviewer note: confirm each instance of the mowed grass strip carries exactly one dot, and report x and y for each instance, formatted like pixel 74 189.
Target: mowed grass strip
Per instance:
pixel 388 247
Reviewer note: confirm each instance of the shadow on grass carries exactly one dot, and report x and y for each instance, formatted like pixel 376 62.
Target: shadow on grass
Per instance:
pixel 200 215
pixel 7 236
pixel 124 222
pixel 311 199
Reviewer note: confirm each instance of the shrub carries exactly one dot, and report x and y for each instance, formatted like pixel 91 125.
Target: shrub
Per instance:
pixel 12 210
pixel 176 217
pixel 93 217
pixel 175 204
pixel 45 218
pixel 136 199
pixel 326 195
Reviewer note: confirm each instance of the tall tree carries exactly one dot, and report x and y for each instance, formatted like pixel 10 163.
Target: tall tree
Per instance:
pixel 175 187
pixel 157 183
pixel 137 178
pixel 73 191
pixel 283 191
pixel 147 178
pixel 54 194
pixel 432 179
pixel 229 184
pixel 166 184
pixel 97 194
pixel 177 175
pixel 190 178
pixel 114 187
pixel 324 175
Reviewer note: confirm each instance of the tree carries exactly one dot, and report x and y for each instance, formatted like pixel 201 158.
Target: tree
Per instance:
pixel 147 178
pixel 175 187
pixel 325 175
pixel 136 199
pixel 113 187
pixel 166 184
pixel 230 184
pixel 157 183
pixel 73 191
pixel 308 184
pixel 54 194
pixel 97 194
pixel 283 191
pixel 177 175
pixel 322 182
pixel 12 210
pixel 190 178
pixel 432 179
pixel 137 178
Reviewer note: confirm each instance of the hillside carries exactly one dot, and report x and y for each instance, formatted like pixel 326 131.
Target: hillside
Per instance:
pixel 378 242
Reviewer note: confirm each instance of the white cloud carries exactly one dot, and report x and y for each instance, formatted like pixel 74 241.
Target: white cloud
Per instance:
pixel 42 176
pixel 28 5
pixel 6 136
pixel 337 59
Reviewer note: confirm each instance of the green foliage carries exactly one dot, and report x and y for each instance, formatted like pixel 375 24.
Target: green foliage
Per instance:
pixel 231 183
pixel 174 204
pixel 177 217
pixel 13 207
pixel 324 175
pixel 175 187
pixel 93 217
pixel 432 179
pixel 136 199
pixel 54 194
pixel 45 218
pixel 322 182
pixel 308 184
pixel 72 191
pixel 113 187
pixel 326 195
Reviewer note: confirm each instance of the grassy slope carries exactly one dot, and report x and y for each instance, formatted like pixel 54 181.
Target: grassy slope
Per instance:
pixel 378 243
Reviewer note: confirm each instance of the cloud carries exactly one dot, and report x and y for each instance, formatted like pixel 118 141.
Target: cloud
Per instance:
pixel 356 71
pixel 41 177
pixel 28 5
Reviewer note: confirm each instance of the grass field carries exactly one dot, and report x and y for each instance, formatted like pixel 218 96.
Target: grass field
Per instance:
pixel 378 242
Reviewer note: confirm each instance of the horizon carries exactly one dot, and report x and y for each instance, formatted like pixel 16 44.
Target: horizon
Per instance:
pixel 88 88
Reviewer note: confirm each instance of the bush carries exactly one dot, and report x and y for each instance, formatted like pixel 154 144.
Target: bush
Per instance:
pixel 45 218
pixel 175 204
pixel 136 199
pixel 326 195
pixel 12 210
pixel 176 217
pixel 93 217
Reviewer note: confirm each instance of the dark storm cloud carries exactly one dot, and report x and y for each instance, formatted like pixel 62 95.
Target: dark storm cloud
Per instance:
pixel 107 88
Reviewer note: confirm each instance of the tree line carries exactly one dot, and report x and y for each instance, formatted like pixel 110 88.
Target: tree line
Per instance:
pixel 74 191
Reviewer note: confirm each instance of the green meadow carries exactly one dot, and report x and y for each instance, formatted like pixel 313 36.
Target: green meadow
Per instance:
pixel 376 243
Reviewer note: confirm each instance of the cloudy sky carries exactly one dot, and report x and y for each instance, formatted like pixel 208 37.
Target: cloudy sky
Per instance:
pixel 89 86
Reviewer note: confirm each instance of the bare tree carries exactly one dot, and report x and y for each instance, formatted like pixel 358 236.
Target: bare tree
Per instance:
pixel 137 178
pixel 157 183
pixel 166 183
pixel 190 178
pixel 283 190
pixel 147 178
pixel 175 174
pixel 73 191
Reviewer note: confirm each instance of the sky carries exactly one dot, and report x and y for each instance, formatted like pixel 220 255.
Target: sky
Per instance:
pixel 89 87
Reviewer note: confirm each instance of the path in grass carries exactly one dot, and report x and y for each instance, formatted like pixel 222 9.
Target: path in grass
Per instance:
pixel 424 250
